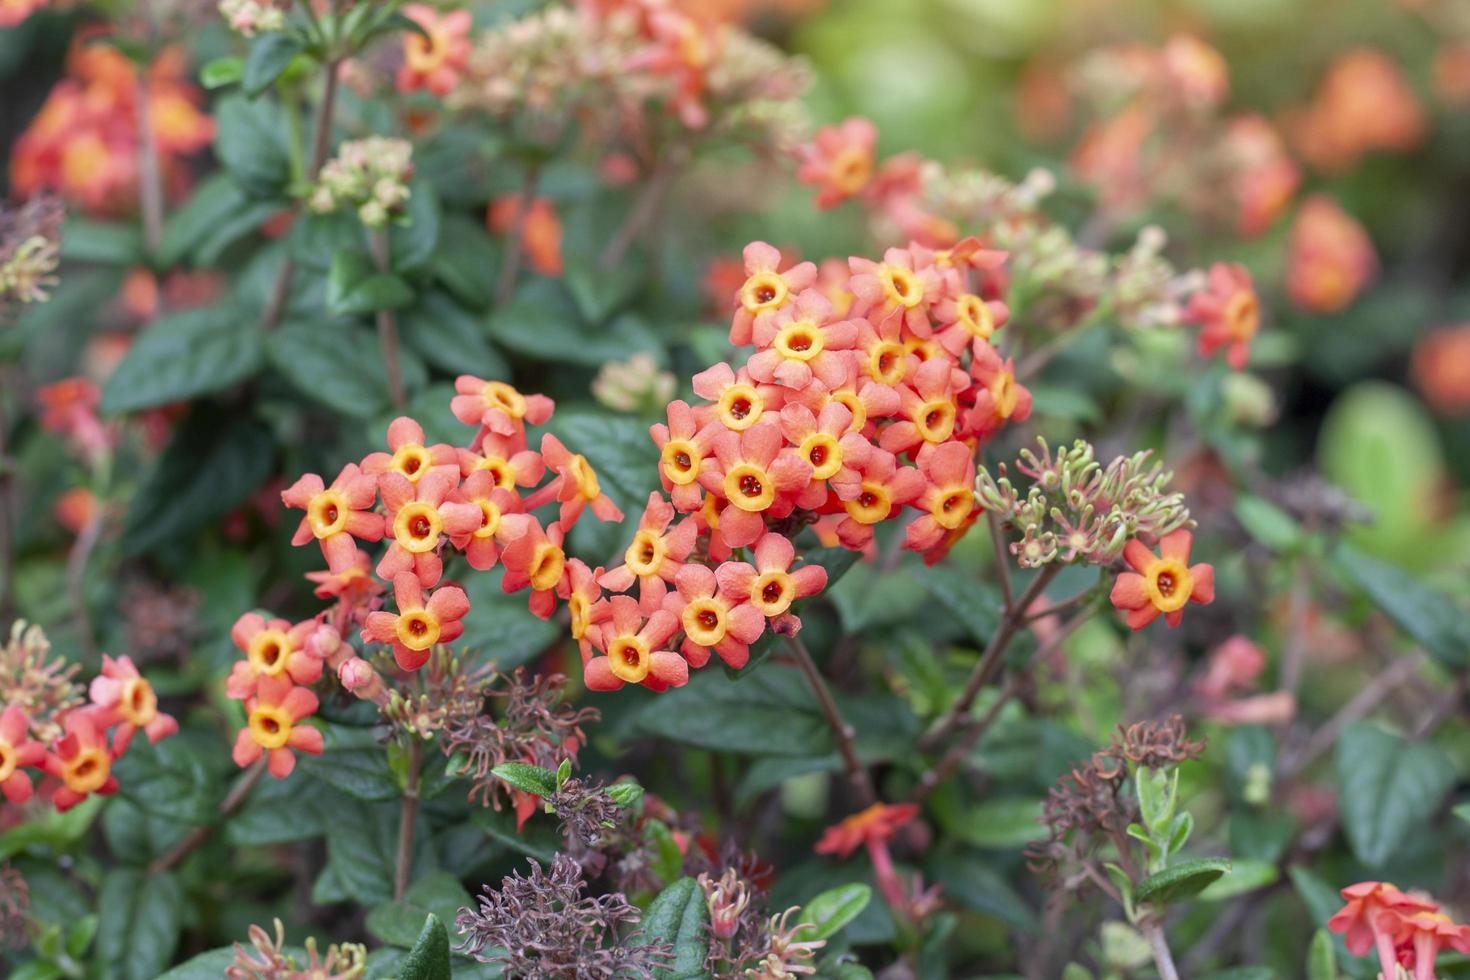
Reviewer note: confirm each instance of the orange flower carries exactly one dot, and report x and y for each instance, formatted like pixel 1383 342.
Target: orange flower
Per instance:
pixel 337 515
pixel 1329 258
pixel 418 625
pixel 1363 104
pixel 540 231
pixel 124 698
pixel 17 753
pixel 1162 584
pixel 1375 916
pixel 575 486
pixel 1441 369
pixel 877 824
pixel 434 59
pixel 839 161
pixel 273 648
pixel 275 728
pixel 1426 933
pixel 81 761
pixel 1229 313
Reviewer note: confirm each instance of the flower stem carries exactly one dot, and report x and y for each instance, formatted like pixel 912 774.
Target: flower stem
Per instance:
pixel 237 795
pixel 409 816
pixel 645 209
pixel 1158 943
pixel 388 325
pixel 989 663
pixel 321 144
pixel 510 266
pixel 857 774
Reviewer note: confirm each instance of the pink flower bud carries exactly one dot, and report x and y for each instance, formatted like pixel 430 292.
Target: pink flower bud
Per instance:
pixel 359 677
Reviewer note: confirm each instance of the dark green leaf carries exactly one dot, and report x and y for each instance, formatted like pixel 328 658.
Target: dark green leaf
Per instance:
pixel 251 143
pixel 1183 880
pixel 353 761
pixel 833 909
pixel 1387 789
pixel 975 604
pixel 619 449
pixel 678 916
pixel 170 779
pixel 450 338
pixel 1431 618
pixel 212 204
pixel 141 917
pixel 213 463
pixel 355 288
pixel 270 54
pixel 182 357
pixel 1321 957
pixel 400 922
pixel 527 778
pixel 770 714
pixel 1002 822
pixel 465 253
pixel 542 323
pixel 106 244
pixel 429 958
pixel 500 627
pixel 1245 876
pixel 413 240
pixel 978 886
pixel 337 364
pixel 1269 524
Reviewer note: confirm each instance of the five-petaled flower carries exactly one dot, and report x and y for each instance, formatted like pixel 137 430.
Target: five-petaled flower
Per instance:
pixel 410 458
pixel 434 58
pixel 497 406
pixel 576 486
pixel 715 616
pixel 1376 917
pixel 1228 313
pixel 123 697
pixel 81 761
pixel 272 648
pixel 633 650
pixel 757 476
pixel 337 516
pixel 839 161
pixel 419 516
pixel 418 624
pixel 274 727
pixel 655 555
pixel 765 288
pixel 18 752
pixel 1163 583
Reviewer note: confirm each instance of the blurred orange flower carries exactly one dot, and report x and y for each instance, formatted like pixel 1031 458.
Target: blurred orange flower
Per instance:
pixel 1363 104
pixel 541 231
pixel 1441 369
pixel 1329 257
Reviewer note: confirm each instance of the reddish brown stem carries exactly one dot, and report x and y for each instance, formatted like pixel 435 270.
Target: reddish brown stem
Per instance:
pixel 408 817
pixel 844 734
pixel 198 835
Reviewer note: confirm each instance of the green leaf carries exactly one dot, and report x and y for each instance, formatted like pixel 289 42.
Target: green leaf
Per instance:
pixel 976 885
pixel 141 918
pixel 100 242
pixel 214 461
pixel 1003 822
pixel 831 910
pixel 527 778
pixel 450 338
pixel 355 288
pixel 1387 789
pixel 625 794
pixel 362 851
pixel 542 323
pixel 678 916
pixel 171 779
pixel 1432 619
pixel 337 364
pixel 353 761
pixel 1246 875
pixel 770 714
pixel 500 627
pixel 1321 957
pixel 412 241
pixel 1157 792
pixel 182 357
pixel 212 204
pixel 400 922
pixel 251 143
pixel 1181 881
pixel 619 449
pixel 429 957
pixel 221 72
pixel 270 55
pixel 974 604
pixel 1462 811
pixel 51 830
pixel 1269 524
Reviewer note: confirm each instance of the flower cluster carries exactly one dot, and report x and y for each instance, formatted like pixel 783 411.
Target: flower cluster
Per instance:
pixel 1363 104
pixel 369 175
pixel 618 68
pixel 1405 930
pixel 30 251
pixel 83 144
pixel 47 729
pixel 251 17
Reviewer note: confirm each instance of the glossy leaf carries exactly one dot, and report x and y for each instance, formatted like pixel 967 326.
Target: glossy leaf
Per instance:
pixel 1387 789
pixel 182 357
pixel 1181 881
pixel 678 916
pixel 429 957
pixel 832 909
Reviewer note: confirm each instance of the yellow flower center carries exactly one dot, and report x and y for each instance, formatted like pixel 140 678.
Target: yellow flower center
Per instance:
pixel 824 453
pixel 498 394
pixel 581 612
pixel 418 629
pixel 772 593
pixel 901 286
pixel 799 341
pixel 924 350
pixel 1242 315
pixel 505 476
pixel 749 487
pixel 270 726
pixel 9 759
pixel 855 405
pixel 88 771
pixel 582 474
pixel 953 506
pixel 417 526
pixel 704 622
pixel 1169 584
pixel 269 650
pixel 871 505
pixel 740 407
pixel 425 54
pixel 645 556
pixel 627 658
pixel 547 566
pixel 887 363
pixel 327 513
pixel 489 518
pixel 850 170
pixel 680 462
pixel 763 291
pixel 974 315
pixel 1003 389
pixel 412 461
pixel 138 705
pixel 935 420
